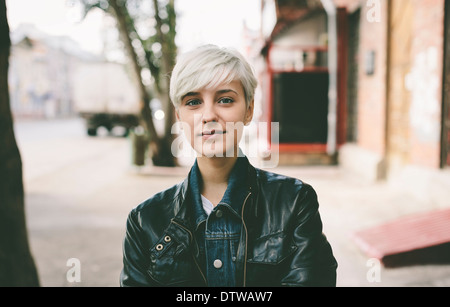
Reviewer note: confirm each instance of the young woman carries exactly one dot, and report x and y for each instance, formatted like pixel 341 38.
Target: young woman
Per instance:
pixel 228 223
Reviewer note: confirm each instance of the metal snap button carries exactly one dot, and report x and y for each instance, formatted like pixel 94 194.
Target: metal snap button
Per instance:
pixel 217 263
pixel 167 239
pixel 219 213
pixel 159 247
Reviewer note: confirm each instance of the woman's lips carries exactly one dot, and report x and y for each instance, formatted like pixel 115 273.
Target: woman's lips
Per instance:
pixel 211 133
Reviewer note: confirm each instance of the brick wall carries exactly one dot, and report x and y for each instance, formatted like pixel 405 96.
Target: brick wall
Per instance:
pixel 414 124
pixel 372 88
pixel 426 82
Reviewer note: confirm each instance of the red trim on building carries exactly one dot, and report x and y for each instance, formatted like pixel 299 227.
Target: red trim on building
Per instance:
pixel 341 131
pixel 342 65
pixel 309 148
pixel 291 147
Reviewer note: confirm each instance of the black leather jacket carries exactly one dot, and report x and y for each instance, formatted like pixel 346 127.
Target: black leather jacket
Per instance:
pixel 281 243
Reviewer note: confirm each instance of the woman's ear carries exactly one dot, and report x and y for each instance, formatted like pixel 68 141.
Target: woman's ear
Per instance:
pixel 249 113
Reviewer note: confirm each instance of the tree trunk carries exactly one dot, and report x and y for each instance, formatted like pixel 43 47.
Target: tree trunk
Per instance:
pixel 143 94
pixel 168 57
pixel 17 266
pixel 160 148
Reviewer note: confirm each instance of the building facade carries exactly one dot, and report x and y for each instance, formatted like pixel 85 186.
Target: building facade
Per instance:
pixel 52 77
pixel 388 67
pixel 398 93
pixel 299 83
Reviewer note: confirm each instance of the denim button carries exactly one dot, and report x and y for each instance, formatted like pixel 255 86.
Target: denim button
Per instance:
pixel 219 213
pixel 217 263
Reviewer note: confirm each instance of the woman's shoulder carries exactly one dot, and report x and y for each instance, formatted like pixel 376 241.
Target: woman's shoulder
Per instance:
pixel 285 189
pixel 160 200
pixel 266 177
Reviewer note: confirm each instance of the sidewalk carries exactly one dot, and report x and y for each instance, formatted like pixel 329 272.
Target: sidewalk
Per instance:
pixel 93 232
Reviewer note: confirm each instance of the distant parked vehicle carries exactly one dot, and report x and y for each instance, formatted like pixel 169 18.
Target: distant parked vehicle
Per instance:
pixel 106 96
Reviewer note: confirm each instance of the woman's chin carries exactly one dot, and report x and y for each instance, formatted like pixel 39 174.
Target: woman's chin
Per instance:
pixel 216 150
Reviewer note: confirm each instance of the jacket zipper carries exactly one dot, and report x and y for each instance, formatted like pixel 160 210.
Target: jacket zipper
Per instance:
pixel 193 239
pixel 246 237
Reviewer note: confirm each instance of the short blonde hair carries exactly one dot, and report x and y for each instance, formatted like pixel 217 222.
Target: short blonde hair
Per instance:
pixel 207 67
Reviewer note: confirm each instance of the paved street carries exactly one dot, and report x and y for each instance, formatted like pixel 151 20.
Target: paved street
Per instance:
pixel 79 191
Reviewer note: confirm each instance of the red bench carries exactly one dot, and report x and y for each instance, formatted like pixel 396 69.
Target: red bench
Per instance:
pixel 414 239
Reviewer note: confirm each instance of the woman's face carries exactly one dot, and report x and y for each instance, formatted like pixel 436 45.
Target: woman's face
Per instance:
pixel 213 119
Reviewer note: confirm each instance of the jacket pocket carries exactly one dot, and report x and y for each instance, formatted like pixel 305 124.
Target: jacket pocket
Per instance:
pixel 269 259
pixel 271 249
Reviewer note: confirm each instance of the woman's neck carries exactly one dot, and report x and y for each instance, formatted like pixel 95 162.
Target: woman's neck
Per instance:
pixel 215 173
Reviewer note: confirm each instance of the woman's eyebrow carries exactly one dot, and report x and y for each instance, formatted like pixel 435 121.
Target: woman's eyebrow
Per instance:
pixel 224 91
pixel 190 94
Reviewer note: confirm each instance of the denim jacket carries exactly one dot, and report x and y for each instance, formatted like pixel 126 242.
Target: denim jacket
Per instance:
pixel 218 234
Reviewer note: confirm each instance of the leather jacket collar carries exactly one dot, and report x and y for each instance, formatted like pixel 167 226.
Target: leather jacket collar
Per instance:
pixel 181 208
pixel 234 195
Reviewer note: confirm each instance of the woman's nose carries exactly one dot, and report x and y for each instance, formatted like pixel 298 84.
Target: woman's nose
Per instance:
pixel 209 113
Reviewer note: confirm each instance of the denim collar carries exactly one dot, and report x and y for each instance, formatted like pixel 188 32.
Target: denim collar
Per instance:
pixel 234 195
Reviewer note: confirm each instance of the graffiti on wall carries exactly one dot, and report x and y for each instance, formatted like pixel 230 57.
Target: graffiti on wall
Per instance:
pixel 423 82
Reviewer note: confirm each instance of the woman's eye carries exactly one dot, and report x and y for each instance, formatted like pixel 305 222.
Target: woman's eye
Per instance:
pixel 193 102
pixel 226 100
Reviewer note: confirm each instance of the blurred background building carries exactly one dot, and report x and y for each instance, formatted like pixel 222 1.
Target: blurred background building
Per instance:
pixel 365 84
pixel 52 77
pixel 41 71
